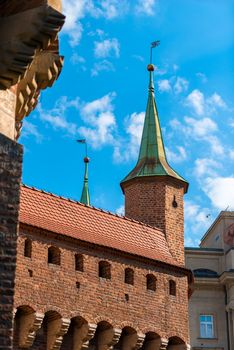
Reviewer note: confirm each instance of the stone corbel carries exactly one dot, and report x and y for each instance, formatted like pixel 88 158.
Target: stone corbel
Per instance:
pixel 133 341
pixel 91 328
pixel 29 324
pixel 107 338
pixel 56 329
pixel 20 39
pixel 117 333
pixel 164 343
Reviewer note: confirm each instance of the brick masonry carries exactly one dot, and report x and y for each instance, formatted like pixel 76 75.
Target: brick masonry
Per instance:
pixel 158 201
pixel 44 287
pixel 10 178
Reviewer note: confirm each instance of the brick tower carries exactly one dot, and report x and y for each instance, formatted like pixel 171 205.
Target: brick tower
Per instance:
pixel 153 190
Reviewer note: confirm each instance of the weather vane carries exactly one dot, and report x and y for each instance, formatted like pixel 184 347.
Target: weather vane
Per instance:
pixel 83 141
pixel 152 46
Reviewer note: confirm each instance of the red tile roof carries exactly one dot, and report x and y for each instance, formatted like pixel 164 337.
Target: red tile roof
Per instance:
pixel 67 217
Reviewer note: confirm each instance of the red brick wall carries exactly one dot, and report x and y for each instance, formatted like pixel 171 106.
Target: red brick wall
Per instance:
pixel 54 287
pixel 151 200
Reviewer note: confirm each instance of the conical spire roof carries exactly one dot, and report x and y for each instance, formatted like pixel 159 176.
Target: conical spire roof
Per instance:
pixel 85 197
pixel 152 160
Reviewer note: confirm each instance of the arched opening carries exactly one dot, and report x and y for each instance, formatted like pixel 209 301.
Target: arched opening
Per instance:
pixel 79 262
pixel 172 287
pixel 28 248
pixel 103 337
pixel 23 322
pixel 129 276
pixel 76 334
pixel 127 340
pixel 104 269
pixel 47 334
pixel 151 282
pixel 176 343
pixel 54 256
pixel 152 341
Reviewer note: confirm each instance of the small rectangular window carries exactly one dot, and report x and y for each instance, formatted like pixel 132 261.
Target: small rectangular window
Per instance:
pixel 206 326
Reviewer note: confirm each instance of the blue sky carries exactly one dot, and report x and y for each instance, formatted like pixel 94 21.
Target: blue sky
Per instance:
pixel 101 95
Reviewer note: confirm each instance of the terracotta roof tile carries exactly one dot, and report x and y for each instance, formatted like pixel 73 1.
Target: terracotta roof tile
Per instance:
pixel 73 219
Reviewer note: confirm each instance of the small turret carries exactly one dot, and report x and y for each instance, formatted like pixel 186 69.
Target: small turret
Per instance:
pixel 153 190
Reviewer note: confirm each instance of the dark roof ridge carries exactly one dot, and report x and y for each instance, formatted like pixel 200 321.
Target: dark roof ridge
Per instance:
pixel 92 207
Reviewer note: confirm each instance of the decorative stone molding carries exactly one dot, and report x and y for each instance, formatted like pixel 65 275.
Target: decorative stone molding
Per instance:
pixel 56 329
pixel 91 328
pixel 43 72
pixel 29 324
pixel 19 40
pixel 164 343
pixel 117 333
pixel 140 340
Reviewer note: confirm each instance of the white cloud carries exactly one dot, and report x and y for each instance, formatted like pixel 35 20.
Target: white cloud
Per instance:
pixel 197 101
pixel 231 154
pixel 202 77
pixel 74 11
pixel 216 100
pixel 164 85
pixel 75 58
pixel 120 210
pixel 206 167
pixel 30 129
pixel 220 190
pixel 201 105
pixel 215 144
pixel 197 221
pixel 177 156
pixel 138 58
pixel 181 85
pixel 101 66
pixel 56 116
pixel 133 128
pixel 145 7
pixel 109 9
pixel 106 48
pixel 201 127
pixel 100 121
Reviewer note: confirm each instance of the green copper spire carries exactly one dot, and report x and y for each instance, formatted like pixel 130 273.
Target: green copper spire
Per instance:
pixel 85 198
pixel 152 159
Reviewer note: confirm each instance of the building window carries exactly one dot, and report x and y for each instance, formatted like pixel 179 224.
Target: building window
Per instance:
pixel 206 326
pixel 28 248
pixel 129 276
pixel 172 287
pixel 54 256
pixel 79 262
pixel 104 270
pixel 151 282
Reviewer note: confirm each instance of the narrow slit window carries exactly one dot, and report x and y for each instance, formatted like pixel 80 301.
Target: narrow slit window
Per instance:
pixel 28 248
pixel 104 270
pixel 129 276
pixel 54 256
pixel 172 287
pixel 79 262
pixel 151 282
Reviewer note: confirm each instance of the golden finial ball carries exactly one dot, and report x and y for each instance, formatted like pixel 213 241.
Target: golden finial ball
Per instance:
pixel 150 67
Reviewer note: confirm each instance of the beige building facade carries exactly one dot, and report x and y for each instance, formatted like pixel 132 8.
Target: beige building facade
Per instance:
pixel 211 307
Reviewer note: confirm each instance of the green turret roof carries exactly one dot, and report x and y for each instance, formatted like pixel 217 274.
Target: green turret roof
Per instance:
pixel 85 198
pixel 152 159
